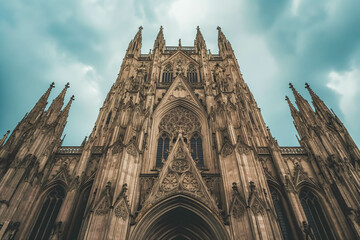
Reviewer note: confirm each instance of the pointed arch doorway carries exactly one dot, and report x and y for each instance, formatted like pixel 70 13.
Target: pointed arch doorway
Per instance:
pixel 179 217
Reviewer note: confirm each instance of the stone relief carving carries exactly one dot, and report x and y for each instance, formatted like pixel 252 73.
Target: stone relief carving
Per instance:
pixel 170 182
pixel 189 182
pixel 131 149
pixel 227 149
pixel 104 207
pixel 180 165
pixel 121 211
pixel 180 119
pixel 238 209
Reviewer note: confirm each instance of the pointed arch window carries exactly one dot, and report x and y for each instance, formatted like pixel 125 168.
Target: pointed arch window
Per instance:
pixel 162 149
pixel 48 214
pixel 281 214
pixel 192 74
pixel 197 149
pixel 167 75
pixel 108 118
pixel 315 215
pixel 79 213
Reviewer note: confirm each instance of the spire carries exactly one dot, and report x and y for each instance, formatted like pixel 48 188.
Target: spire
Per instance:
pixel 160 41
pixel 298 122
pixel 199 41
pixel 56 105
pixel 303 105
pixel 223 43
pixel 321 109
pixel 40 105
pixel 2 140
pixel 63 116
pixel 135 44
pixel 294 111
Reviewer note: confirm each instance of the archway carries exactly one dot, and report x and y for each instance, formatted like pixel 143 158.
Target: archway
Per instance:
pixel 179 218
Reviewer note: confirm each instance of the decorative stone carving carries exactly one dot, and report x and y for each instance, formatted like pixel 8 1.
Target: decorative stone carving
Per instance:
pixel 238 209
pixel 103 207
pixel 180 119
pixel 170 182
pixel 189 182
pixel 180 165
pixel 121 211
pixel 257 208
pixel 180 154
pixel 131 149
pixel 227 149
pixel 117 148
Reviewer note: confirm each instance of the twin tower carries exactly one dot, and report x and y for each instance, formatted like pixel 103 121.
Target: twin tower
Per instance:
pixel 179 151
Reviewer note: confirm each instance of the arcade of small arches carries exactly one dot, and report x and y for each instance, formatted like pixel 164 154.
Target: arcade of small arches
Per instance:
pixel 168 74
pixel 314 211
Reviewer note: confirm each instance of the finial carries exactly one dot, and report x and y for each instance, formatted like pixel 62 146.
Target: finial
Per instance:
pixel 52 85
pixel 179 42
pixel 290 85
pixel 198 28
pixel 161 28
pixel 140 28
pixel 218 28
pixel 307 85
pixel 67 85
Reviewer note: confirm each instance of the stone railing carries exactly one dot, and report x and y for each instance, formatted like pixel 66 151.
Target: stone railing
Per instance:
pixel 283 150
pixel 97 150
pixel 262 150
pixel 70 150
pixel 292 150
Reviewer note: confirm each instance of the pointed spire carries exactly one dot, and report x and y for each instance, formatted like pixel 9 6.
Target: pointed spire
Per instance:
pixel 293 110
pixel 135 44
pixel 160 41
pixel 224 45
pixel 63 116
pixel 56 105
pixel 321 109
pixel 2 140
pixel 40 105
pixel 199 41
pixel 297 117
pixel 303 105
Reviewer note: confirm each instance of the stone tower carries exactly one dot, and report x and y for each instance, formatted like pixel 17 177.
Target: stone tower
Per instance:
pixel 179 151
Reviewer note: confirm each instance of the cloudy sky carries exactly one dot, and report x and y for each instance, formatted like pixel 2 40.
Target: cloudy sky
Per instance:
pixel 276 42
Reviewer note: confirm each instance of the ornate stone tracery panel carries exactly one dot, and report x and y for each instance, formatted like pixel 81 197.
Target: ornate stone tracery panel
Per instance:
pixel 180 119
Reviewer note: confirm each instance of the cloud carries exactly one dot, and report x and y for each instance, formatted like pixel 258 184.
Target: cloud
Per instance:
pixel 83 42
pixel 346 85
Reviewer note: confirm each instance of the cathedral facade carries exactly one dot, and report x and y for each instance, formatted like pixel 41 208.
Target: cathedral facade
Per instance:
pixel 179 151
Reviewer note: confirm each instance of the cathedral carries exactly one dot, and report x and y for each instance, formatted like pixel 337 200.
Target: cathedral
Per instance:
pixel 179 150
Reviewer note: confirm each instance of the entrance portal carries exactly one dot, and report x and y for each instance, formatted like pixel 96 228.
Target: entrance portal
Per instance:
pixel 179 218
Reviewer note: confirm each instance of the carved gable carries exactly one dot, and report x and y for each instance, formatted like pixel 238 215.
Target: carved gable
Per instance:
pixel 180 90
pixel 180 175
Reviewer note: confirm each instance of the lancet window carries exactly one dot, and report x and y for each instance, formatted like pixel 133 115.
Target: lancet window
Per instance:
pixel 162 149
pixel 79 212
pixel 167 75
pixel 48 214
pixel 315 215
pixel 192 74
pixel 108 118
pixel 281 214
pixel 197 149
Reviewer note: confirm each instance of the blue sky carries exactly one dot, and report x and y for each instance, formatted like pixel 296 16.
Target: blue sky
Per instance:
pixel 276 42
